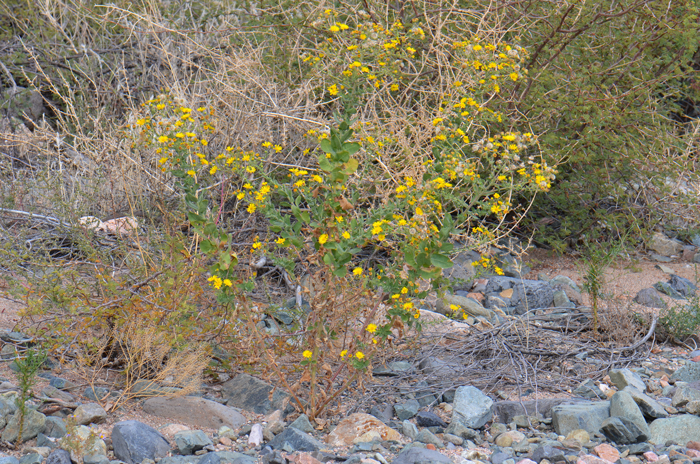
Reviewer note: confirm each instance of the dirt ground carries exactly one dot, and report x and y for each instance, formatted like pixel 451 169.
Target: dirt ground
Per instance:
pixel 622 281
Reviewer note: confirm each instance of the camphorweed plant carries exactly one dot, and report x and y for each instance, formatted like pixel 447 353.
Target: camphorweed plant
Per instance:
pixel 28 364
pixel 365 193
pixel 597 258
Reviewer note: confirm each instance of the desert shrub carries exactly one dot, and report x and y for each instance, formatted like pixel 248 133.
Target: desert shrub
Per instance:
pixel 681 320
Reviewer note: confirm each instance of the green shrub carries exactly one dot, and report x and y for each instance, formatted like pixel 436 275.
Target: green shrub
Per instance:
pixel 682 321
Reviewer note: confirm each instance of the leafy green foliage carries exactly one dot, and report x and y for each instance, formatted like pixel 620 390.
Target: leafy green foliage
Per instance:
pixel 682 321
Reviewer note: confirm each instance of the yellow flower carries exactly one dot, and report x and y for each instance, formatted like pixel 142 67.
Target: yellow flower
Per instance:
pixel 457 83
pixel 213 169
pixel 454 307
pixel 251 208
pixel 227 282
pixel 343 353
pixel 141 122
pixel 394 87
pixel 419 211
pixel 323 239
pixel 307 354
pixel 333 89
pixel 346 235
pixel 514 76
pixel 359 355
pixel 334 28
pixel 371 328
pixel 191 173
pixel 180 135
pixel 163 138
pixel 240 196
pixel 280 241
pixel 357 271
pixel 204 142
pixel 257 245
pixel 267 144
pixel 404 291
pixel 477 48
pixel 250 169
pixel 437 121
pixel 278 148
pixel 163 160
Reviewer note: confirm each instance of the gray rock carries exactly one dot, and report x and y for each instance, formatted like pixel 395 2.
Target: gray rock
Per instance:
pixel 302 423
pixel 58 456
pixel 251 394
pixel 32 458
pixel 460 276
pixel 53 392
pixel 564 280
pixel 427 437
pixel 623 405
pixel 150 389
pixel 177 460
pixel 531 294
pixel 89 413
pixel 463 432
pixel 231 457
pixel 409 429
pixel 678 429
pixel 665 246
pixel 210 458
pixel 429 419
pixel 588 389
pixel 684 395
pixel 683 286
pixel 34 423
pixel 439 368
pixel 693 407
pixel 622 430
pixel 650 407
pixel 471 407
pixel 134 441
pixel 393 368
pixel 383 412
pixel 666 289
pixel 48 442
pixel 292 439
pixel 14 460
pixel 196 411
pixel 690 372
pixel 549 453
pixel 505 411
pixel 650 298
pixel 189 441
pixel 561 300
pixel 587 416
pixel 640 448
pixel 97 393
pixel 406 410
pixel 62 384
pixel 499 283
pixel 415 455
pixel 624 377
pixel 468 305
pixel 500 456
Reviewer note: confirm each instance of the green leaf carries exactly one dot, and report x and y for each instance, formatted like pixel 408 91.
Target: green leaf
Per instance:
pixel 195 218
pixel 326 146
pixel 352 148
pixel 351 166
pixel 342 271
pixel 328 259
pixel 305 217
pixel 206 246
pixel 441 261
pixel 224 260
pixel 423 260
pixel 410 258
pixel 324 164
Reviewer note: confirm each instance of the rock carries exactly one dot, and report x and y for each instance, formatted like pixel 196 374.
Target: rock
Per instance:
pixel 97 449
pixel 415 455
pixel 506 439
pixel 650 298
pixel 561 300
pixel 623 431
pixel 683 286
pixel 588 389
pixel 471 408
pixel 693 407
pixel 210 458
pixel 383 412
pixel 14 460
pixel 255 437
pixel 690 372
pixel 624 377
pixel 150 389
pixel 622 405
pixel 247 392
pixel 684 395
pixel 505 411
pixel 34 423
pixel 649 407
pixel 134 441
pixel 33 458
pixel 58 456
pixel 607 452
pixel 463 432
pixel 468 305
pixel 90 413
pixel 409 429
pixel 229 457
pixel 564 280
pixel 393 369
pixel 53 392
pixel 579 435
pixel 406 410
pixel 292 439
pixel 549 453
pixel 54 427
pixel 665 246
pixel 96 393
pixel 460 276
pixel 666 289
pixel 189 441
pixel 499 457
pixel 195 411
pixel 427 437
pixel 531 294
pixel 302 423
pixel 590 459
pixel 439 368
pixel 678 429
pixel 429 419
pixel 587 416
pixel 357 425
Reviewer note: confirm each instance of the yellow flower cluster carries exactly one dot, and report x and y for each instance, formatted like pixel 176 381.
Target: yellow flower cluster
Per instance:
pixel 487 263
